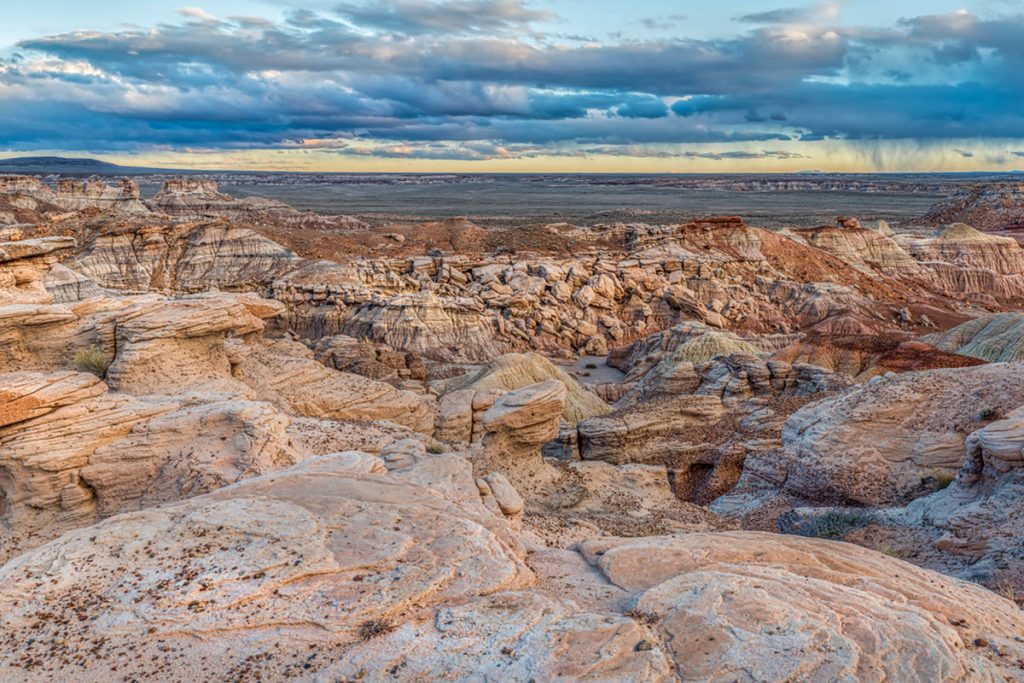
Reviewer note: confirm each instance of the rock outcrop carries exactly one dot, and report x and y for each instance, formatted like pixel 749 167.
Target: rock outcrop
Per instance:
pixel 885 442
pixel 24 265
pixel 193 197
pixel 181 257
pixel 989 206
pixel 763 607
pixel 336 569
pixel 517 370
pixel 456 329
pixel 522 421
pixel 997 338
pixel 71 453
pixel 79 195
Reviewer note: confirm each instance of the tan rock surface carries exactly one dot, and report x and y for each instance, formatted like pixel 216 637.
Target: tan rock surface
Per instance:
pixel 755 606
pixel 292 572
pixel 880 442
pixel 517 370
pixel 71 453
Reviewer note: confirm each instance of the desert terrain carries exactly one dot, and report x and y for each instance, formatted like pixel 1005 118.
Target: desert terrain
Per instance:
pixel 241 441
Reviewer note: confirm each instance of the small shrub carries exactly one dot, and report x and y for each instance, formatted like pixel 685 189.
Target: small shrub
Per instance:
pixel 987 414
pixel 91 359
pixel 941 478
pixel 642 617
pixel 368 630
pixel 833 524
pixel 591 366
pixel 435 448
pixel 1010 593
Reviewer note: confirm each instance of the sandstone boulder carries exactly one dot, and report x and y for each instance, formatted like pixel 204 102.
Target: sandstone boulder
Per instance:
pixel 522 421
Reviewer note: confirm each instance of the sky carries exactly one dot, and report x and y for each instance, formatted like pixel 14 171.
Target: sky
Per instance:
pixel 517 85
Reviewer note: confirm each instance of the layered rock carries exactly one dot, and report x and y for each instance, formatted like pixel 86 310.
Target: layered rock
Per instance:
pixel 452 328
pixel 286 373
pixel 884 442
pixel 373 360
pixel 79 195
pixel 964 260
pixel 71 453
pixel 998 338
pixel 989 206
pixel 24 265
pixel 185 257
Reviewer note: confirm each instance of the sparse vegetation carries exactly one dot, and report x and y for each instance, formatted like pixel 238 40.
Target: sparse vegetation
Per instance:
pixel 1010 593
pixel 435 448
pixel 834 524
pixel 642 617
pixel 92 359
pixel 374 628
pixel 940 479
pixel 591 366
pixel 988 414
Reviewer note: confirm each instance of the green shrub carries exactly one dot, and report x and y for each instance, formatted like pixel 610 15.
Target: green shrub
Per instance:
pixel 435 448
pixel 92 359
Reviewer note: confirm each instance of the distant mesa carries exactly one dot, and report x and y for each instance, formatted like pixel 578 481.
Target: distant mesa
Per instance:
pixel 989 206
pixel 66 166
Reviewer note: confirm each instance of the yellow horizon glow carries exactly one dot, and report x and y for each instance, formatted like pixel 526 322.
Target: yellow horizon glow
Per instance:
pixel 825 156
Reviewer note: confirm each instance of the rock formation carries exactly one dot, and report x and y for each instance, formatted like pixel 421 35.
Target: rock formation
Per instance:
pixel 998 337
pixel 989 206
pixel 885 442
pixel 194 198
pixel 244 442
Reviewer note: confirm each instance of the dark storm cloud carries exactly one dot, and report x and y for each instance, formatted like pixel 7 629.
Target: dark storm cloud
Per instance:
pixel 473 79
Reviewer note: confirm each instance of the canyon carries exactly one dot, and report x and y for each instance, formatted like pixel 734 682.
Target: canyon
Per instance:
pixel 242 441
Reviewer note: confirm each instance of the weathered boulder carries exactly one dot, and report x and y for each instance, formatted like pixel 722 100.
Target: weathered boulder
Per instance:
pixel 517 370
pixel 522 421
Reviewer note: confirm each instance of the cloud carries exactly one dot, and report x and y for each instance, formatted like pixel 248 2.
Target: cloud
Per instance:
pixel 449 17
pixel 198 14
pixel 742 155
pixel 795 15
pixel 966 154
pixel 477 79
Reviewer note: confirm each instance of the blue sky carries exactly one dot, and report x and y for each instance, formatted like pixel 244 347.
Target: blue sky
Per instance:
pixel 517 85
